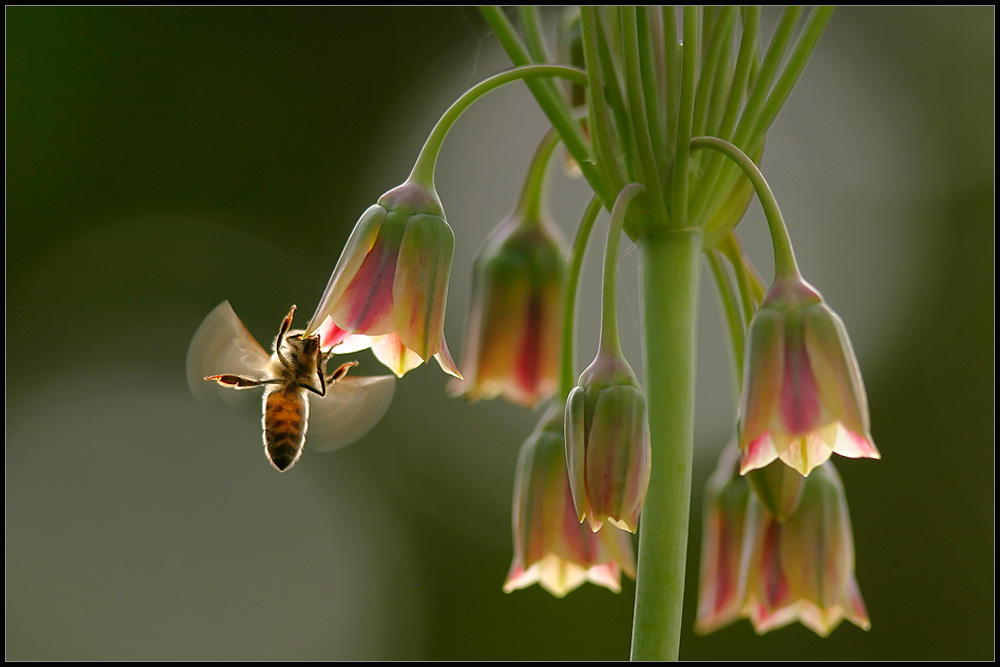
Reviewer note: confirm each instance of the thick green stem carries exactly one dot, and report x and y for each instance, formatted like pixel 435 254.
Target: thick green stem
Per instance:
pixel 670 273
pixel 423 169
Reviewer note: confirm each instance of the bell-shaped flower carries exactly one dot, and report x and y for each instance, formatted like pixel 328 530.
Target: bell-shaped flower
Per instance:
pixel 802 569
pixel 390 286
pixel 608 448
pixel 515 324
pixel 725 506
pixel 551 547
pixel 803 399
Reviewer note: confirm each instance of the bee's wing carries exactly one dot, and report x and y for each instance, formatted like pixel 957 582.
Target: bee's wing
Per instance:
pixel 350 409
pixel 223 345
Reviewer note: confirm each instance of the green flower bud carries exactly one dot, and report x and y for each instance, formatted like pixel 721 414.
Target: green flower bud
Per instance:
pixel 608 444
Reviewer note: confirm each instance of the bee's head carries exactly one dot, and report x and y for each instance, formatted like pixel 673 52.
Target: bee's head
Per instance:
pixel 294 343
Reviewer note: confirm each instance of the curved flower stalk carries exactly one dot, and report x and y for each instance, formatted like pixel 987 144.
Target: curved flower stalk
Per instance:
pixel 391 282
pixel 513 340
pixel 803 399
pixel 551 547
pixel 802 569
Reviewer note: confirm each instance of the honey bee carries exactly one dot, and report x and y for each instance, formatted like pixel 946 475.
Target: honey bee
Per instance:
pixel 224 352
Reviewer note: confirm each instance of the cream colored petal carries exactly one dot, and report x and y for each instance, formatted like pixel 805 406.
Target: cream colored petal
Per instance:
pixel 758 453
pixel 854 445
pixel 444 360
pixel 806 453
pixel 394 355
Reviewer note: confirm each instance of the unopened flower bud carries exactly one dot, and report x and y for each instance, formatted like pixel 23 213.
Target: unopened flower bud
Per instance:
pixel 608 443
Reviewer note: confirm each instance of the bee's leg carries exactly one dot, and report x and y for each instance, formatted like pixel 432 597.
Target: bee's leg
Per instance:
pixel 341 372
pixel 286 324
pixel 238 382
pixel 333 377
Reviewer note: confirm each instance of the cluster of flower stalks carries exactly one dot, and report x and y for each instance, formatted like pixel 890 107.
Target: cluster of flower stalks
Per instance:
pixel 664 112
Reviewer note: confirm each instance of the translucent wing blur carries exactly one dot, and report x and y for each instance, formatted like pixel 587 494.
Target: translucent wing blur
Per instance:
pixel 350 409
pixel 223 344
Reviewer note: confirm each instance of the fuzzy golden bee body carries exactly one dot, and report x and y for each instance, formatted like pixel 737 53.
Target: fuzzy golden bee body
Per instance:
pixel 346 408
pixel 286 418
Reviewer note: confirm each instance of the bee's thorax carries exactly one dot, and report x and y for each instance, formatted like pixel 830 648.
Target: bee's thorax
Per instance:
pixel 298 362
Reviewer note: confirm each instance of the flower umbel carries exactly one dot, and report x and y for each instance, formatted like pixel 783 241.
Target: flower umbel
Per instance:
pixel 802 399
pixel 803 569
pixel 390 286
pixel 607 443
pixel 551 547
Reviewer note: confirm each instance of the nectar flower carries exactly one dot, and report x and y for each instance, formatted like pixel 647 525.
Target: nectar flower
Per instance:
pixel 608 444
pixel 725 508
pixel 512 343
pixel 803 399
pixel 390 286
pixel 551 547
pixel 803 569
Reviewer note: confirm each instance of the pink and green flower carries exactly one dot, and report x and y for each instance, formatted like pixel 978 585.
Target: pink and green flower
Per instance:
pixel 513 341
pixel 551 547
pixel 390 286
pixel 803 399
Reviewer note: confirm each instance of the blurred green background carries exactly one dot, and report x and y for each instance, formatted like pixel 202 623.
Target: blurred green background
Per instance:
pixel 160 160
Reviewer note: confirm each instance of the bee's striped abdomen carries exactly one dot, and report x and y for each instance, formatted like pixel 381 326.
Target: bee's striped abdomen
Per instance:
pixel 286 412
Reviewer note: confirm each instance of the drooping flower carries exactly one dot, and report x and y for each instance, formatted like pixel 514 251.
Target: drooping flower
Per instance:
pixel 803 399
pixel 802 569
pixel 390 286
pixel 515 324
pixel 551 547
pixel 608 443
pixel 720 596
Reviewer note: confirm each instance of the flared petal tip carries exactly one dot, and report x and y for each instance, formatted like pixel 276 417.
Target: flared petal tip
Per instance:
pixel 855 445
pixel 757 453
pixel 630 524
pixel 447 364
